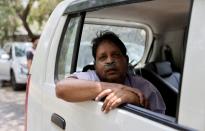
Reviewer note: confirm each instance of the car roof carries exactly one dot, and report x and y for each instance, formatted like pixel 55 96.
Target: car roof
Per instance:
pixel 18 43
pixel 158 14
pixel 80 5
pixel 2 51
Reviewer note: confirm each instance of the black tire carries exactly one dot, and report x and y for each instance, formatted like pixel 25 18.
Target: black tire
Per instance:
pixel 1 83
pixel 14 85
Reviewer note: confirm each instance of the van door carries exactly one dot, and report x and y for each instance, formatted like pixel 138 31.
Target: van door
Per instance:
pixel 4 67
pixel 86 116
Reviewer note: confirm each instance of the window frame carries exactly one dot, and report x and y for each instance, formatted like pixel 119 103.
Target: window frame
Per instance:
pixel 76 43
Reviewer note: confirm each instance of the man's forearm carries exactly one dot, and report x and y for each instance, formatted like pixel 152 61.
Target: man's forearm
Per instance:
pixel 142 100
pixel 137 99
pixel 75 90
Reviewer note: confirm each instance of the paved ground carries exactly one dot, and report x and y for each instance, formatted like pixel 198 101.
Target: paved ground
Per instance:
pixel 11 109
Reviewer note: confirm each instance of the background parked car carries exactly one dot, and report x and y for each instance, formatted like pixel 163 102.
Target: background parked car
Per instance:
pixel 14 69
pixel 4 66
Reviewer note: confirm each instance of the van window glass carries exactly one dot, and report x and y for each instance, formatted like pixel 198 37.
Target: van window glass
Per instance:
pixel 20 50
pixel 134 39
pixel 66 50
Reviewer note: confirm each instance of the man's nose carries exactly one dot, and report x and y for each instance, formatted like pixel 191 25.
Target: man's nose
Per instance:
pixel 109 60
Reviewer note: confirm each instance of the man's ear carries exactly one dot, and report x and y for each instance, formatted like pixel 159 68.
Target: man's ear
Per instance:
pixel 127 57
pixel 94 63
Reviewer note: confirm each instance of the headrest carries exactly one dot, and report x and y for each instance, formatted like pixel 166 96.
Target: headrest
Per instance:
pixel 164 68
pixel 88 67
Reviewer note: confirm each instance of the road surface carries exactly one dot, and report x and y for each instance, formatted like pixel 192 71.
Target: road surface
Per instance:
pixel 11 109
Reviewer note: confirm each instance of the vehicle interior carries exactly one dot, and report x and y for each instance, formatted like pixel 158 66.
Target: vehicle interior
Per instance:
pixel 165 24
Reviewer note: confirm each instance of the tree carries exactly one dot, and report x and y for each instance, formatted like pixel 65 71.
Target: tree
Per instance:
pixel 8 23
pixel 32 16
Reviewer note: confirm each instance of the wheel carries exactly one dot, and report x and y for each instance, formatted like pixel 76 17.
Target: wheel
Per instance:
pixel 1 83
pixel 13 82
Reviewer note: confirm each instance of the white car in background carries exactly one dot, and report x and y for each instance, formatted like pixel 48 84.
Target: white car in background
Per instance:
pixel 4 66
pixel 15 68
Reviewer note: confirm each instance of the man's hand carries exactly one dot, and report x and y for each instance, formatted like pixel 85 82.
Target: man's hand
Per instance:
pixel 120 95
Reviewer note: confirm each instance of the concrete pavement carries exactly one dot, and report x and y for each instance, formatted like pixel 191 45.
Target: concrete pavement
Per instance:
pixel 11 109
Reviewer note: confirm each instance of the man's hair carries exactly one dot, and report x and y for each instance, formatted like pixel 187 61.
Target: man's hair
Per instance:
pixel 108 36
pixel 35 38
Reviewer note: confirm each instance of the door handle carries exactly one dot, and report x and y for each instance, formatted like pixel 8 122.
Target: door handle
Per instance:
pixel 58 120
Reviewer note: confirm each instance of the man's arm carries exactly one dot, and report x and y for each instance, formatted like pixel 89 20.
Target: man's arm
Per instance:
pixel 29 62
pixel 75 90
pixel 29 56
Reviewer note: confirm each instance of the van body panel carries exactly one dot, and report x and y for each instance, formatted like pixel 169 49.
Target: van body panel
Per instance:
pixel 192 106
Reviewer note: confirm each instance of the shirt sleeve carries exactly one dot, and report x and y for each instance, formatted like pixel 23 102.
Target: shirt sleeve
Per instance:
pixel 29 55
pixel 156 102
pixel 90 75
pixel 80 75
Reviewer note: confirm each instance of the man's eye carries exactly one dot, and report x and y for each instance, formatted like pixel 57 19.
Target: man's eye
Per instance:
pixel 102 58
pixel 117 55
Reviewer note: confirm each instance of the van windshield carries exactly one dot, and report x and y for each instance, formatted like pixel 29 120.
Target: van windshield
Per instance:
pixel 20 50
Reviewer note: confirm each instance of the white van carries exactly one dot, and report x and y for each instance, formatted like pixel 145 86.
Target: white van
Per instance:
pixel 14 68
pixel 165 42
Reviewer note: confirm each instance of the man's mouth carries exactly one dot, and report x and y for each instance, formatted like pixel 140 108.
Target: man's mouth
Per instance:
pixel 111 71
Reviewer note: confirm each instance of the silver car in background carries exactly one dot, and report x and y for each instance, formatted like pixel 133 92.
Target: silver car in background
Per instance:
pixel 4 66
pixel 14 68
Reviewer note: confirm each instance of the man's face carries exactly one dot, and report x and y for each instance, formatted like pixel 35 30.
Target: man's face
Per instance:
pixel 111 65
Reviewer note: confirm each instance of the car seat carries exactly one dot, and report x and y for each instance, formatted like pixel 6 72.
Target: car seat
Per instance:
pixel 88 67
pixel 164 70
pixel 160 74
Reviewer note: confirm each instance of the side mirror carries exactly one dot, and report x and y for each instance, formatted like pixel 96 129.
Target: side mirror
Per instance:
pixel 4 56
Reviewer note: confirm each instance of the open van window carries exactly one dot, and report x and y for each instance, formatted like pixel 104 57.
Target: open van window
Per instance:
pixel 134 37
pixel 144 42
pixel 139 39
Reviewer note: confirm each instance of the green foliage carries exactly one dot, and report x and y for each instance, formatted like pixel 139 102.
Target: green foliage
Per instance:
pixel 8 22
pixel 40 11
pixel 12 10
